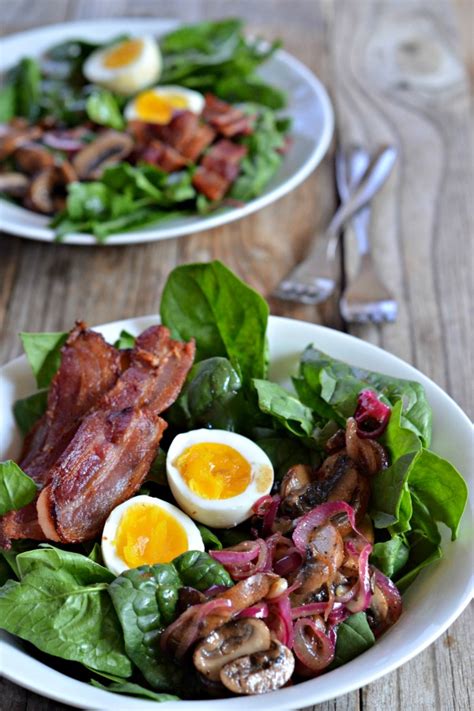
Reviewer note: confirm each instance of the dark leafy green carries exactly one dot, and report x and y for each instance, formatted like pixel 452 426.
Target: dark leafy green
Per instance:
pixel 285 452
pixel 225 316
pixel 28 410
pixel 354 636
pixel 61 605
pixel 16 488
pixel 390 556
pixel 287 410
pixel 21 91
pixel 43 351
pixel 211 541
pixel 103 108
pixel 200 571
pixel 125 340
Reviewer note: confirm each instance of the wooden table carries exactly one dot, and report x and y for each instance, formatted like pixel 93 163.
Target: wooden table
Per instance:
pixel 394 72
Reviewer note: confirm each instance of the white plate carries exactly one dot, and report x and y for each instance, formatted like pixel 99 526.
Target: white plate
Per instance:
pixel 308 105
pixel 434 601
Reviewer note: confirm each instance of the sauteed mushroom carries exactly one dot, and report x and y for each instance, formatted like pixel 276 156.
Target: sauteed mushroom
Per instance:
pixel 325 556
pixel 31 158
pixel 14 184
pixel 368 454
pixel 109 148
pixel 47 192
pixel 14 137
pixel 260 672
pixel 231 641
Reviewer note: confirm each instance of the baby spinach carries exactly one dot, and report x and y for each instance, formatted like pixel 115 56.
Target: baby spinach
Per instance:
pixel 225 316
pixel 284 407
pixel 210 540
pixel 125 340
pixel 285 452
pixel 390 556
pixel 198 570
pixel 61 605
pixel 28 410
pixel 354 636
pixel 21 93
pixel 103 108
pixel 43 351
pixel 17 489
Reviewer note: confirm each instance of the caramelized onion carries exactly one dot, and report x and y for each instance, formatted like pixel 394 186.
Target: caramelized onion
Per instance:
pixel 371 415
pixel 313 648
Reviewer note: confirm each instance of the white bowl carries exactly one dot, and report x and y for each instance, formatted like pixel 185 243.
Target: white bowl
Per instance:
pixel 437 597
pixel 308 105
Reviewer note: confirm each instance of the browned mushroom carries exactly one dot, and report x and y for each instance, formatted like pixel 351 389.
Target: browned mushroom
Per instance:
pixel 325 556
pixel 13 138
pixel 31 158
pixel 368 454
pixel 260 672
pixel 231 641
pixel 14 184
pixel 109 148
pixel 47 193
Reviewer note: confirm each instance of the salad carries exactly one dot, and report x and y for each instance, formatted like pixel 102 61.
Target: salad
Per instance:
pixel 179 526
pixel 105 138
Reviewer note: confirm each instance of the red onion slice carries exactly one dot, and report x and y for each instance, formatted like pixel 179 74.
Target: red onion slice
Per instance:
pixel 371 415
pixel 316 517
pixel 312 647
pixel 362 597
pixel 190 620
pixel 393 601
pixel 308 610
pixel 288 563
pixel 62 142
pixel 240 562
pixel 280 620
pixel 259 610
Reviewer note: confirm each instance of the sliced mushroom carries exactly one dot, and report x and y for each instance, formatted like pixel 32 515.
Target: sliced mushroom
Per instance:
pixel 386 604
pixel 368 454
pixel 260 672
pixel 231 641
pixel 16 137
pixel 47 193
pixel 326 554
pixel 14 184
pixel 295 479
pixel 31 158
pixel 109 148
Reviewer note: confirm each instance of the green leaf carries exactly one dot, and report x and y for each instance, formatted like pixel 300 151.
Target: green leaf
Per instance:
pixel 198 570
pixel 102 108
pixel 43 351
pixel 254 89
pixel 25 80
pixel 28 411
pixel 390 556
pixel 354 636
pixel 157 472
pixel 225 316
pixel 284 407
pixel 285 453
pixel 125 340
pixel 16 487
pixel 132 689
pixel 211 541
pixel 7 103
pixel 61 605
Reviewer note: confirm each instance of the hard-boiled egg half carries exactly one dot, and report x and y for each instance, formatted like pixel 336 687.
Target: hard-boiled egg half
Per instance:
pixel 157 105
pixel 126 67
pixel 145 531
pixel 216 476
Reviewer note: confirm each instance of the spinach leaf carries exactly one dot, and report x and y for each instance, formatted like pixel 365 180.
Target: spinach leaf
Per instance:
pixel 5 571
pixel 209 538
pixel 103 108
pixel 145 601
pixel 125 340
pixel 225 316
pixel 354 636
pixel 254 90
pixel 210 397
pixel 436 483
pixel 21 93
pixel 157 472
pixel 284 407
pixel 61 605
pixel 43 351
pixel 390 556
pixel 7 102
pixel 200 571
pixel 17 489
pixel 132 689
pixel 285 452
pixel 28 410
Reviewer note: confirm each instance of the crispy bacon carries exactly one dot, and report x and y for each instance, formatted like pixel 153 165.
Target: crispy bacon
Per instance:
pixel 89 367
pixel 111 452
pixel 227 119
pixel 224 158
pixel 163 156
pixel 199 141
pixel 179 130
pixel 211 184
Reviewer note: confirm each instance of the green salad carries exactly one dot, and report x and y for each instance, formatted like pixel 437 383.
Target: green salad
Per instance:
pixel 316 567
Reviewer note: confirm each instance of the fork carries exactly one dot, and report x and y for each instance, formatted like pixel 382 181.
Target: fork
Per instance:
pixel 314 279
pixel 366 299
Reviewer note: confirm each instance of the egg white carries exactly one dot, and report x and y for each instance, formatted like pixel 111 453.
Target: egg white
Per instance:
pixel 130 78
pixel 194 101
pixel 220 513
pixel 109 552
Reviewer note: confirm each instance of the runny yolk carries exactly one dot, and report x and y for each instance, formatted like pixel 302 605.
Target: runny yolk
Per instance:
pixel 214 471
pixel 149 534
pixel 150 106
pixel 123 54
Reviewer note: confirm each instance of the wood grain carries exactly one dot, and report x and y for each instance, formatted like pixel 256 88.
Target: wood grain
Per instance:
pixel 394 71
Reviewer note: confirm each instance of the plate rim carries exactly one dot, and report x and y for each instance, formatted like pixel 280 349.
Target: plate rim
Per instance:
pixel 197 224
pixel 281 699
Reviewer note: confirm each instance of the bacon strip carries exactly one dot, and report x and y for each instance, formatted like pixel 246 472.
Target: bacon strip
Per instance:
pixel 111 453
pixel 89 367
pixel 219 168
pixel 227 119
pixel 163 156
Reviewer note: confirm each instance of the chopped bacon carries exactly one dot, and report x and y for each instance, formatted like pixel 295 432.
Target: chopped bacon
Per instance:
pixel 227 119
pixel 111 452
pixel 179 130
pixel 211 184
pixel 241 127
pixel 219 168
pixel 163 156
pixel 194 146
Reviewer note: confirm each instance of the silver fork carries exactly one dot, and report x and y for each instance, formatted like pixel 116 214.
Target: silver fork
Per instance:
pixel 366 299
pixel 314 279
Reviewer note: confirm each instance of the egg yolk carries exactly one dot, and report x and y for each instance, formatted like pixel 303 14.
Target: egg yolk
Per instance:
pixel 123 54
pixel 148 535
pixel 157 108
pixel 214 471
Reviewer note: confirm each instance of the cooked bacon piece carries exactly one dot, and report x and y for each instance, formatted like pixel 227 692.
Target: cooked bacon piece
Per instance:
pixel 163 156
pixel 224 159
pixel 89 367
pixel 227 119
pixel 242 126
pixel 199 141
pixel 111 452
pixel 211 184
pixel 215 107
pixel 179 130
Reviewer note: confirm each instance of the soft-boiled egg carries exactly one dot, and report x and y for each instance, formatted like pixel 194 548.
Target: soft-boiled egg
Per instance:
pixel 216 476
pixel 157 105
pixel 126 67
pixel 145 531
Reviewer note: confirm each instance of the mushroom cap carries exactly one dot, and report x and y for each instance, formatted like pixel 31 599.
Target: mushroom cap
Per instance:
pixel 260 672
pixel 109 148
pixel 47 189
pixel 15 184
pixel 31 158
pixel 231 641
